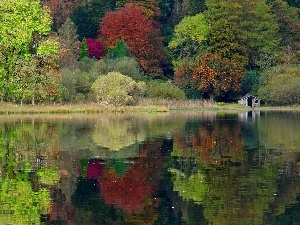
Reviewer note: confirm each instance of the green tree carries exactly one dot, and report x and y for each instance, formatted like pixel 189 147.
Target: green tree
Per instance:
pixel 226 38
pixel 188 38
pixel 23 24
pixel 120 50
pixel 280 85
pixel 261 28
pixel 83 50
pixel 88 15
pixel 289 29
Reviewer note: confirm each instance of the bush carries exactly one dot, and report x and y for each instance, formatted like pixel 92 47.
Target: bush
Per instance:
pixel 75 86
pixel 127 66
pixel 280 85
pixel 117 89
pixel 164 90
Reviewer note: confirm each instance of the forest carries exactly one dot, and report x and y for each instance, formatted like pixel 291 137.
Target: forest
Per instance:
pixel 116 52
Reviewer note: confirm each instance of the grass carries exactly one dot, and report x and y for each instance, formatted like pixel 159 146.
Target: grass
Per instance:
pixel 149 106
pixel 9 108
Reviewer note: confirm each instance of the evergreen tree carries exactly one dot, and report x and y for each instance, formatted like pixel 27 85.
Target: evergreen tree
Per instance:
pixel 118 51
pixel 83 50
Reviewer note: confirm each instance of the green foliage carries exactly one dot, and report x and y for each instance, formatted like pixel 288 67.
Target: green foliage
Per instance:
pixel 191 28
pixel 76 85
pixel 118 51
pixel 164 90
pixel 83 50
pixel 280 85
pixel 48 47
pixel 117 89
pixel 23 24
pixel 20 20
pixel 118 133
pixel 188 38
pixel 190 188
pixel 48 176
pixel 127 66
pixel 250 82
pixel 21 205
pixel 87 16
pixel 261 29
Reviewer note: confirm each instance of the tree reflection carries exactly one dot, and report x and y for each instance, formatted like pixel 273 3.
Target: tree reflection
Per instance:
pixel 228 181
pixel 115 133
pixel 24 195
pixel 20 204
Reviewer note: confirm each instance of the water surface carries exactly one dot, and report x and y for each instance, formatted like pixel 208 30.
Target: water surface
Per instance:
pixel 174 168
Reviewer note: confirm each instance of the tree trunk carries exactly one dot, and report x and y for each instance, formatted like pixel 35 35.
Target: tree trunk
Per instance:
pixel 211 97
pixel 32 100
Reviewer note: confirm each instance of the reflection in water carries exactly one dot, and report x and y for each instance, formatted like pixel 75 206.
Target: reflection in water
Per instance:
pixel 177 168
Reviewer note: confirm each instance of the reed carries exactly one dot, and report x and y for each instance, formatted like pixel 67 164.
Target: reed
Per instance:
pixel 8 108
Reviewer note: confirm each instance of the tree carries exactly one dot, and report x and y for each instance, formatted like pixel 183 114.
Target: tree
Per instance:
pixel 88 15
pixel 83 50
pixel 95 48
pixel 120 50
pixel 260 27
pixel 215 75
pixel 117 89
pixel 289 29
pixel 130 25
pixel 68 39
pixel 279 85
pixel 226 39
pixel 24 23
pixel 61 10
pixel 188 38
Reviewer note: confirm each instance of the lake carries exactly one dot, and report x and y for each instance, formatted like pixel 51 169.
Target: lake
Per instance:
pixel 172 168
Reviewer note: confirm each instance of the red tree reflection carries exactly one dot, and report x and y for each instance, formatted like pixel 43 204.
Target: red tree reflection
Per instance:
pixel 133 191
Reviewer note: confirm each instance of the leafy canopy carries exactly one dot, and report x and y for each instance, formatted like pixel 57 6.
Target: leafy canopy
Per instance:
pixel 20 21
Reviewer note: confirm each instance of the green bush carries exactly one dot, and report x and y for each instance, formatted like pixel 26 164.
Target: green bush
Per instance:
pixel 280 85
pixel 126 65
pixel 75 86
pixel 164 90
pixel 117 89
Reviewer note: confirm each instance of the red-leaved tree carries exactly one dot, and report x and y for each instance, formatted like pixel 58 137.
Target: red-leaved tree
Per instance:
pixel 132 26
pixel 60 10
pixel 95 48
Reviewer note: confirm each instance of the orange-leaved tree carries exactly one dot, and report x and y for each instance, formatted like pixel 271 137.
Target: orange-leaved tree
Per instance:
pixel 216 75
pixel 132 26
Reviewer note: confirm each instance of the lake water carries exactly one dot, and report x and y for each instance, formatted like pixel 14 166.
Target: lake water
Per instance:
pixel 173 168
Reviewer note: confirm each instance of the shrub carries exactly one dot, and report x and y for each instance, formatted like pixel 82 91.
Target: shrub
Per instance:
pixel 127 66
pixel 117 89
pixel 280 85
pixel 95 48
pixel 164 90
pixel 75 86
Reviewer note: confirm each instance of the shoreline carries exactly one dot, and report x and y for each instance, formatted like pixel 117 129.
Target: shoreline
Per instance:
pixel 145 107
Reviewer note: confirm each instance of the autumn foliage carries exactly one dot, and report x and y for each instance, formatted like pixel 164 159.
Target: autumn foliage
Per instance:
pixel 212 74
pixel 95 48
pixel 60 10
pixel 133 191
pixel 132 26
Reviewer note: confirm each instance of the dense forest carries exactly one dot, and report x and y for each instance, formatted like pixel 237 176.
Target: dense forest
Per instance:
pixel 119 51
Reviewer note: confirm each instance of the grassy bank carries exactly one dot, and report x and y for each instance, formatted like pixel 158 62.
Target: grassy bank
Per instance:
pixel 145 106
pixel 8 108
